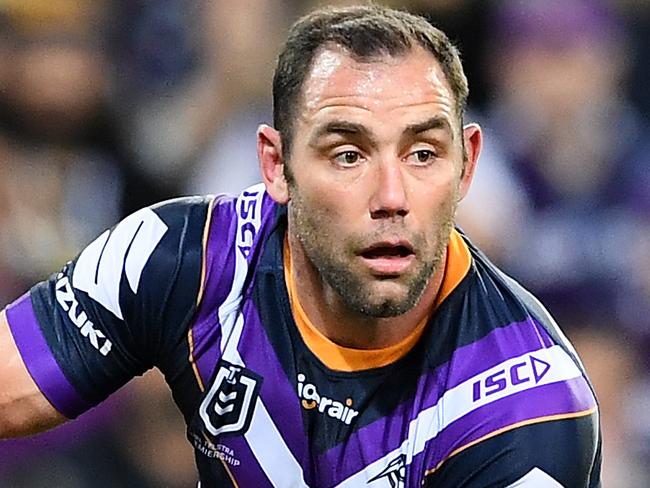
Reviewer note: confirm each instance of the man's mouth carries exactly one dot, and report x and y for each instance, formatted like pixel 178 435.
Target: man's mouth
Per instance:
pixel 385 250
pixel 388 258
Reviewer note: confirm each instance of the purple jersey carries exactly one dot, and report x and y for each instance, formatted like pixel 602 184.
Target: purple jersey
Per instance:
pixel 491 394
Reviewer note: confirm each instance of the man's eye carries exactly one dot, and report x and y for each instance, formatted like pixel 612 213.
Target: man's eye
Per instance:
pixel 347 158
pixel 422 156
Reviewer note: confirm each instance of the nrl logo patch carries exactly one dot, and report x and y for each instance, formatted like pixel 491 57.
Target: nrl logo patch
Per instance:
pixel 228 406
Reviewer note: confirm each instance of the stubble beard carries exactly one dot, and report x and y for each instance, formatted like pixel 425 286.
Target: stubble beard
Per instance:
pixel 314 231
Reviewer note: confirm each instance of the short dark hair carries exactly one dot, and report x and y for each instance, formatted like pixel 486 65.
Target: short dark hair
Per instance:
pixel 367 33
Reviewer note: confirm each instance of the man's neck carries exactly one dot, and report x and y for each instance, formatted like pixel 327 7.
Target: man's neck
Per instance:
pixel 332 318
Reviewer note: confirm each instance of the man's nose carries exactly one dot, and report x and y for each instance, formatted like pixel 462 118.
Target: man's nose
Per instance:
pixel 389 198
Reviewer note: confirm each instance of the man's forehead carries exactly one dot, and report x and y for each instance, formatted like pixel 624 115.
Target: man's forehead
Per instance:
pixel 410 88
pixel 411 77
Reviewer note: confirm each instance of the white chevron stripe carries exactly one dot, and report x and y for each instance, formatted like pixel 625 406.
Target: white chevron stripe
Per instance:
pixel 263 437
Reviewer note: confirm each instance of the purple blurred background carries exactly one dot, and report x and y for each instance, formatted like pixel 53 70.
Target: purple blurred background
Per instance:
pixel 110 105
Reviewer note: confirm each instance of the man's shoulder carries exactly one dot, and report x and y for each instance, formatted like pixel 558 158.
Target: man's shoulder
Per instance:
pixel 511 298
pixel 506 295
pixel 508 346
pixel 182 210
pixel 513 383
pixel 225 217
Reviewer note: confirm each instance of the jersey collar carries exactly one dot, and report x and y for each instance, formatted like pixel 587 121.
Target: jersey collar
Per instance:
pixel 342 358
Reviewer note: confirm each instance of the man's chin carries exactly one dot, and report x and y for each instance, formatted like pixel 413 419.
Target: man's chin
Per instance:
pixel 383 304
pixel 386 309
pixel 383 298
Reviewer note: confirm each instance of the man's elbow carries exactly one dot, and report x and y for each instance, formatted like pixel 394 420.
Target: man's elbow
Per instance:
pixel 20 418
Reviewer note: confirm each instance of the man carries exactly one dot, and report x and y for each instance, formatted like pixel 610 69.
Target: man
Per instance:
pixel 329 327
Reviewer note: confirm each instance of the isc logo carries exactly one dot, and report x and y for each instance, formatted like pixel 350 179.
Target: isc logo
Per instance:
pixel 527 370
pixel 249 214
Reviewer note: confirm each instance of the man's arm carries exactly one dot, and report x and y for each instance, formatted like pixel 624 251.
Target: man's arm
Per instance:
pixel 24 409
pixel 121 307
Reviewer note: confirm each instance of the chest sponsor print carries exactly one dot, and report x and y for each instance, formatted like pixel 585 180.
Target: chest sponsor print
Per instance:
pixel 311 399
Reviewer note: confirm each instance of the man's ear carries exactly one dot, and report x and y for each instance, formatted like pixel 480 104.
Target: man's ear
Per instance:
pixel 473 140
pixel 269 154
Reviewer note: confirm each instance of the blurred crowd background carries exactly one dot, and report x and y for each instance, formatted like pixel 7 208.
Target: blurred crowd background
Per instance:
pixel 110 105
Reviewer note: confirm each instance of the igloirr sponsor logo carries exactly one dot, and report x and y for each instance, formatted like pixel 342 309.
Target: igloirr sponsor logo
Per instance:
pixel 312 400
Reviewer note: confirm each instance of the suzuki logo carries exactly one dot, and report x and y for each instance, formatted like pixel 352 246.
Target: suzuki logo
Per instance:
pixel 66 298
pixel 521 372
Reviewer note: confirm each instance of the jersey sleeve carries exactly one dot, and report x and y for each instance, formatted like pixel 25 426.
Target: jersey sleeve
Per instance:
pixel 117 310
pixel 563 453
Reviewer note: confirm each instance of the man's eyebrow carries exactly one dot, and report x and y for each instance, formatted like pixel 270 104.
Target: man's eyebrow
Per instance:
pixel 341 127
pixel 436 122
